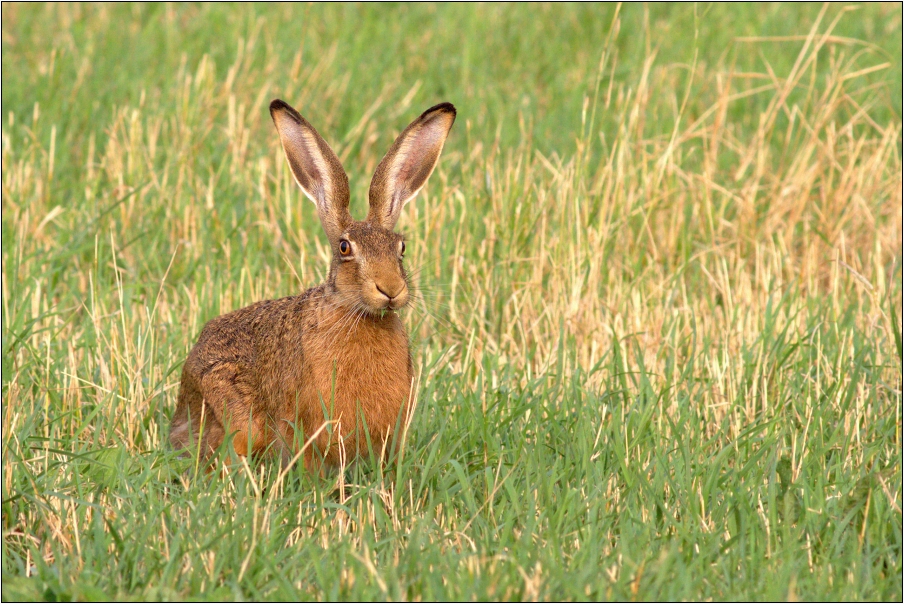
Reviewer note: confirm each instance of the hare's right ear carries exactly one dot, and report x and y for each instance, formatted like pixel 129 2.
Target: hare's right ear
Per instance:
pixel 315 167
pixel 408 164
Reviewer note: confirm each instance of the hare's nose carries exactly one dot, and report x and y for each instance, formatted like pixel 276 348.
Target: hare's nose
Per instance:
pixel 391 291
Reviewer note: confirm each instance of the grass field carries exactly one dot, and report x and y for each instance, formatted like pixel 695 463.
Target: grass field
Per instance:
pixel 658 332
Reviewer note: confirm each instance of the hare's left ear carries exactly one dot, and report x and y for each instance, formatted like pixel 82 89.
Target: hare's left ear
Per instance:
pixel 315 167
pixel 408 164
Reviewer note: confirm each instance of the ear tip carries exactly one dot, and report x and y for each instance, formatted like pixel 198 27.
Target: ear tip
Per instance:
pixel 444 107
pixel 279 105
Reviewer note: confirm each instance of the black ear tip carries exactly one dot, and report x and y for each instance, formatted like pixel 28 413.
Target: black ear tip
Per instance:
pixel 442 108
pixel 277 105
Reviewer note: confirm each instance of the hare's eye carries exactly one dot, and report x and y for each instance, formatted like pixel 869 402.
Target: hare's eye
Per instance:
pixel 345 248
pixel 401 248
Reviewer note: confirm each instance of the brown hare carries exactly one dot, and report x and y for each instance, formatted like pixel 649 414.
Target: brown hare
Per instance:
pixel 334 361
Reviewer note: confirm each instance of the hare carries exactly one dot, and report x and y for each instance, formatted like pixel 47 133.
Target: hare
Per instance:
pixel 333 364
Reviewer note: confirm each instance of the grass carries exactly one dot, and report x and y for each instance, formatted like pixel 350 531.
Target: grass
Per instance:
pixel 658 336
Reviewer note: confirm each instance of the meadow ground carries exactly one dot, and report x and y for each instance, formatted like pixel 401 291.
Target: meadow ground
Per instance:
pixel 658 335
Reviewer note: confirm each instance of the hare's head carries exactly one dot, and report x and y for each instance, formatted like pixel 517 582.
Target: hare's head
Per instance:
pixel 366 270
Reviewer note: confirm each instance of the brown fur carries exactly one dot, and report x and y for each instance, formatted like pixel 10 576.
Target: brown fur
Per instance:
pixel 273 373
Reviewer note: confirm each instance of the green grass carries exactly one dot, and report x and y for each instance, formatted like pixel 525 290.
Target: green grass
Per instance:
pixel 658 335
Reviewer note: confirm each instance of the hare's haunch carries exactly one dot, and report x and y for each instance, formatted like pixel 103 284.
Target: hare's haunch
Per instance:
pixel 274 373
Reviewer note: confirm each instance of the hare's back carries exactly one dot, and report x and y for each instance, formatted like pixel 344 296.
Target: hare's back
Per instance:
pixel 237 336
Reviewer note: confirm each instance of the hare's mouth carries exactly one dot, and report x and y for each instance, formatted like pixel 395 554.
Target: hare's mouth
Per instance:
pixel 382 298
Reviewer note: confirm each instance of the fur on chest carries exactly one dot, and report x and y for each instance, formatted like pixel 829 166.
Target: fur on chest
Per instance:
pixel 361 360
